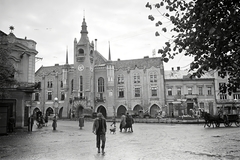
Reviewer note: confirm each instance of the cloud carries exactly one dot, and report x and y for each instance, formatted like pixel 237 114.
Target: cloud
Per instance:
pixel 55 24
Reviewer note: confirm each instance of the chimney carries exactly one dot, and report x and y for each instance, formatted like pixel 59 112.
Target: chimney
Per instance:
pixel 178 68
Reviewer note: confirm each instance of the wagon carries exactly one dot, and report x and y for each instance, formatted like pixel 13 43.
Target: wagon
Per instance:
pixel 230 115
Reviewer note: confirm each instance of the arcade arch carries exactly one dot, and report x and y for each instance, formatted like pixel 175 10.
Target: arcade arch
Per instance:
pixel 102 110
pixel 154 110
pixel 121 109
pixel 49 111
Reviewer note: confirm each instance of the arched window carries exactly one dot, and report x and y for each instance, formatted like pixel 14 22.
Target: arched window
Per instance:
pixel 100 85
pixel 81 52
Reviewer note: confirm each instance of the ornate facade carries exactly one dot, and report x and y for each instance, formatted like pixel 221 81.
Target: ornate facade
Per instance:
pixel 22 54
pixel 96 84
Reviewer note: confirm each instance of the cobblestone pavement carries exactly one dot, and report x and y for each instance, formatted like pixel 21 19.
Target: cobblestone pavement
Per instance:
pixel 147 142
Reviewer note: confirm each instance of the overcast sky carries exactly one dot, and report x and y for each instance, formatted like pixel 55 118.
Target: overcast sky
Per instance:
pixel 54 24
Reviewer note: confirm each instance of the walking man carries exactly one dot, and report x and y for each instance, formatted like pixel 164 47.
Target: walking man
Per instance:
pixel 99 128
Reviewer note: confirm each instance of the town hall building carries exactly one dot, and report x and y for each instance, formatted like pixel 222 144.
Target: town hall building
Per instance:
pixel 96 84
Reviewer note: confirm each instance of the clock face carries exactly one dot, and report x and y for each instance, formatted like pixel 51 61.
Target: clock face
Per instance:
pixel 80 67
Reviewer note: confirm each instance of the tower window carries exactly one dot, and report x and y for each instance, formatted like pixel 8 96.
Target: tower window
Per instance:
pixel 81 52
pixel 100 85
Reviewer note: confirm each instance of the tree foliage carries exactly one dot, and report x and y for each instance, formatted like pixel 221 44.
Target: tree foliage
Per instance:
pixel 207 30
pixel 7 72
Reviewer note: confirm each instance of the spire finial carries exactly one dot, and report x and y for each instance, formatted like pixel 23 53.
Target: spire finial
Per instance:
pixel 67 55
pixel 84 13
pixel 109 55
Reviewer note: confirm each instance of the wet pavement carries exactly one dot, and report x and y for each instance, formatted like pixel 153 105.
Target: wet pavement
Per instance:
pixel 147 142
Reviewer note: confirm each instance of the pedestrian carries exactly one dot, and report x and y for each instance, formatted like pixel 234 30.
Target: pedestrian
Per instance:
pixel 54 124
pixel 46 120
pixel 30 123
pixel 99 128
pixel 11 124
pixel 122 122
pixel 81 121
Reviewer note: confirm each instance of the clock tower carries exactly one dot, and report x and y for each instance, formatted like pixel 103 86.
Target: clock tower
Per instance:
pixel 83 72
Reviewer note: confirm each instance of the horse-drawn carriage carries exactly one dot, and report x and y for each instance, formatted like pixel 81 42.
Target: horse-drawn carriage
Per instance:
pixel 226 115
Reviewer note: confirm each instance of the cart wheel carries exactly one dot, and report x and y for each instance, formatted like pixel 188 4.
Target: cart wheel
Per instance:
pixel 237 123
pixel 226 123
pixel 230 124
pixel 217 124
pixel 208 124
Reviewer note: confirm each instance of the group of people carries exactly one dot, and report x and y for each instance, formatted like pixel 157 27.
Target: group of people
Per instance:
pixel 126 123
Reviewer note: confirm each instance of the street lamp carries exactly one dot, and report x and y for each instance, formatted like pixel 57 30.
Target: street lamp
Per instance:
pixel 55 105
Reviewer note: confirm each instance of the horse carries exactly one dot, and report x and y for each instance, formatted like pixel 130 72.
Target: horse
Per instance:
pixel 211 119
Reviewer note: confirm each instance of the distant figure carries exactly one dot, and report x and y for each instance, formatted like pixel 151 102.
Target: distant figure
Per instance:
pixel 122 122
pixel 54 124
pixel 30 123
pixel 99 128
pixel 114 122
pixel 46 120
pixel 11 124
pixel 81 121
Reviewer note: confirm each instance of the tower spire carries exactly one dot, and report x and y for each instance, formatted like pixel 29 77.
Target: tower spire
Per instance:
pixel 67 55
pixel 109 54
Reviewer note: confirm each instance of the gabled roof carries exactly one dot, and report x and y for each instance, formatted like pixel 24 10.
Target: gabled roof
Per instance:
pixel 139 63
pixel 185 74
pixel 49 69
pixel 99 59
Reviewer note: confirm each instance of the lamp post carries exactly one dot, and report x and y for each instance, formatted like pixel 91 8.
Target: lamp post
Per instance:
pixel 55 105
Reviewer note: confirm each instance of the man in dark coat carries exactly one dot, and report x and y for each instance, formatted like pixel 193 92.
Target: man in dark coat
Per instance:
pixel 99 128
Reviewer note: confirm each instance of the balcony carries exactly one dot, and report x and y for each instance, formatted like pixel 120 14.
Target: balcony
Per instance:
pixel 100 99
pixel 79 98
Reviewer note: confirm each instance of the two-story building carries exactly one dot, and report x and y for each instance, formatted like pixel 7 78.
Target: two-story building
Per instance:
pixel 18 103
pixel 229 103
pixel 184 94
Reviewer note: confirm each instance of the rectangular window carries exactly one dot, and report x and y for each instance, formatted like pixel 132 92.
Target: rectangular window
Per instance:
pixel 209 90
pixel 179 92
pixel 154 91
pixel 236 96
pixel 50 84
pixel 120 79
pixel 223 96
pixel 153 78
pixel 200 90
pixel 121 92
pixel 201 105
pixel 170 91
pixel 61 84
pixel 49 96
pixel 81 83
pixel 36 96
pixel 190 90
pixel 137 92
pixel 62 96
